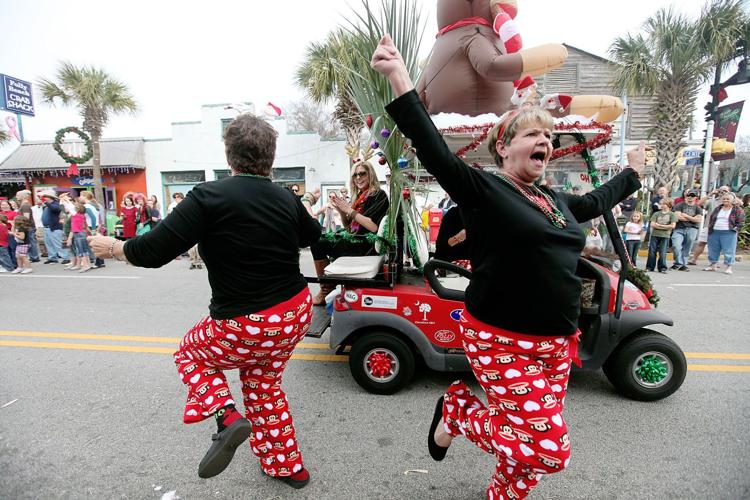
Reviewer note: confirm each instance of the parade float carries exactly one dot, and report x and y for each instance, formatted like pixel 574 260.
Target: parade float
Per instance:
pixel 401 306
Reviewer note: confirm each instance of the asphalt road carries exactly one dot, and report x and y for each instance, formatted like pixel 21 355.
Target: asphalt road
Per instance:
pixel 76 422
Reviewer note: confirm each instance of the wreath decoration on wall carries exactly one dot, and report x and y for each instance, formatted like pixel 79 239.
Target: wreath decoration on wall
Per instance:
pixel 73 160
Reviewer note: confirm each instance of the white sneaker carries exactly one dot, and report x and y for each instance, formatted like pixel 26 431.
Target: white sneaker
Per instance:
pixel 74 268
pixel 728 270
pixel 16 270
pixel 27 270
pixel 84 269
pixel 3 270
pixel 68 267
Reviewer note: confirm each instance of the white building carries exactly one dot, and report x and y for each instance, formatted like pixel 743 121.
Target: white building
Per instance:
pixel 195 153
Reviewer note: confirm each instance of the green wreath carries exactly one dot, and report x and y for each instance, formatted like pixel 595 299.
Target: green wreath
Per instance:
pixel 86 140
pixel 640 279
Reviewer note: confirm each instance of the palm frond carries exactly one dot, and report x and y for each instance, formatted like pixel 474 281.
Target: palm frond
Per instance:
pixel 721 25
pixel 637 71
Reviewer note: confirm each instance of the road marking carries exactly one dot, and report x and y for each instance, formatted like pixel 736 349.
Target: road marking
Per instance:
pixel 130 338
pixel 27 276
pixel 708 284
pixel 717 355
pixel 143 349
pixel 718 368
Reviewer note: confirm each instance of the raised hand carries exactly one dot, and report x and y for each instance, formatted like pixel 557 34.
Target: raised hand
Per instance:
pixel 387 61
pixel 637 158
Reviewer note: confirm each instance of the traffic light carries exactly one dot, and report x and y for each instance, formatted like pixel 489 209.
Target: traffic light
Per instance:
pixel 713 104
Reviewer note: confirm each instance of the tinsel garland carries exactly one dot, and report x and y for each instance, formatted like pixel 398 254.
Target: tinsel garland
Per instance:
pixel 57 145
pixel 370 238
pixel 640 279
pixel 652 370
pixel 597 141
pixel 484 131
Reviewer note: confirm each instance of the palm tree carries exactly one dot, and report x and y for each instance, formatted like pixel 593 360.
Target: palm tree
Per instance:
pixel 324 76
pixel 671 60
pixel 96 95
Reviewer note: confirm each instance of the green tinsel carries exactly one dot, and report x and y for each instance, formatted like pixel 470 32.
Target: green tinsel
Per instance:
pixel 652 370
pixel 369 238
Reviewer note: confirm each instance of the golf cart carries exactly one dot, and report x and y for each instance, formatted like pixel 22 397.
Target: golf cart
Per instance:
pixel 388 316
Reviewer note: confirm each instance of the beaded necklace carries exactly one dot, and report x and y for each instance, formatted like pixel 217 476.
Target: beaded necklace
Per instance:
pixel 539 199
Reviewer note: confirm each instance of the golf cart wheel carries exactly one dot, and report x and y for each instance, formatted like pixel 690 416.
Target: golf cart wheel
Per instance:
pixel 381 363
pixel 647 366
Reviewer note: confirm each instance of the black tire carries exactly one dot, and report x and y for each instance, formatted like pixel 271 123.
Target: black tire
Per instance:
pixel 385 346
pixel 623 367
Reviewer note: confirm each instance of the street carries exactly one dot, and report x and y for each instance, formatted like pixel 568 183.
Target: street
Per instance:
pixel 91 404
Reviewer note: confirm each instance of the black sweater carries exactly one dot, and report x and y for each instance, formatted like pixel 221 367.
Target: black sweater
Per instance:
pixel 524 268
pixel 249 232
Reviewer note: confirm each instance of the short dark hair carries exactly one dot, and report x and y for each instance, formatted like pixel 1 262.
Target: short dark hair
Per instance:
pixel 250 145
pixel 178 194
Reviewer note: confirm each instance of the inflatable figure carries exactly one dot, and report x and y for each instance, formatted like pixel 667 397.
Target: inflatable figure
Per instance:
pixel 477 60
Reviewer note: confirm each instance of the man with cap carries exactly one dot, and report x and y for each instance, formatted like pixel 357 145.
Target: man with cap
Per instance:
pixel 689 217
pixel 53 229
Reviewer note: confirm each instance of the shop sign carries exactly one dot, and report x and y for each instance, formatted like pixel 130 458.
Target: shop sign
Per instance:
pixel 17 96
pixel 82 181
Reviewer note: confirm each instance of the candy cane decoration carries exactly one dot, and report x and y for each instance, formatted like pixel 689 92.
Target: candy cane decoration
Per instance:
pixel 505 26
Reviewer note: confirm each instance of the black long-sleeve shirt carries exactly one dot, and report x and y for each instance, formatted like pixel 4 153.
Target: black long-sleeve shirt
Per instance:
pixel 523 267
pixel 249 232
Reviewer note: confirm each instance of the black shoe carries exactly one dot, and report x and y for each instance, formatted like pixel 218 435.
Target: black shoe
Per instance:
pixel 99 266
pixel 663 271
pixel 437 452
pixel 66 261
pixel 50 261
pixel 221 452
pixel 684 268
pixel 294 483
pixel 675 266
pixel 32 260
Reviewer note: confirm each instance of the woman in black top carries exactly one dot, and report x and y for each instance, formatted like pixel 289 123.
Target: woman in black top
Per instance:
pixel 522 303
pixel 249 232
pixel 360 217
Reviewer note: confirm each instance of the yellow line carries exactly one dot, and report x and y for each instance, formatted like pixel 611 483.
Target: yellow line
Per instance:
pixel 127 338
pixel 87 347
pixel 144 349
pixel 716 355
pixel 719 368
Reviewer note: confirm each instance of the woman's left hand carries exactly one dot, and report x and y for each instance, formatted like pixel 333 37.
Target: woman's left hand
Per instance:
pixel 342 205
pixel 637 159
pixel 100 245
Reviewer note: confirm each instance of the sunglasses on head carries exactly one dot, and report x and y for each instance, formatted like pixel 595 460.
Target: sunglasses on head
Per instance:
pixel 359 174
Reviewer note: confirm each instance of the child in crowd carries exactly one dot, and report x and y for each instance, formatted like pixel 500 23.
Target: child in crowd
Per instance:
pixel 662 224
pixel 78 233
pixel 23 237
pixel 633 231
pixel 6 265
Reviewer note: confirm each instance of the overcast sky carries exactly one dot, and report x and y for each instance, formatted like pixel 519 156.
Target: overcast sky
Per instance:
pixel 176 56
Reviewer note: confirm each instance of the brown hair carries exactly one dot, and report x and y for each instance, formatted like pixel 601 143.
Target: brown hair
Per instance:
pixel 250 145
pixel 80 207
pixel 667 201
pixel 89 197
pixel 513 121
pixel 374 184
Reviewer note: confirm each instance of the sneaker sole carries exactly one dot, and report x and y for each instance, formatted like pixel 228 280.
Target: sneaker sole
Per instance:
pixel 217 460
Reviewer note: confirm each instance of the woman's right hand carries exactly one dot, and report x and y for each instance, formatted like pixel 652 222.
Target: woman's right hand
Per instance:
pixel 387 61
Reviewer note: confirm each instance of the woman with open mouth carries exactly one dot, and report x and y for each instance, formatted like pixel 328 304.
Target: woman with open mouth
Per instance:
pixel 520 328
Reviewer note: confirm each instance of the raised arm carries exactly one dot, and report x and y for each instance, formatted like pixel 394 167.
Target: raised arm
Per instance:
pixel 460 181
pixel 609 194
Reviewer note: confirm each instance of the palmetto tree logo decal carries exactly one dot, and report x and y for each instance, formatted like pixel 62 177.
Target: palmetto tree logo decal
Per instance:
pixel 424 308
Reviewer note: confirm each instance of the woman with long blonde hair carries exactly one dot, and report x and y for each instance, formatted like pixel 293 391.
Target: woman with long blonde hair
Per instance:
pixel 362 216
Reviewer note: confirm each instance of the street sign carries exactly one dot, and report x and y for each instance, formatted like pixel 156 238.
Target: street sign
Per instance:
pixel 17 96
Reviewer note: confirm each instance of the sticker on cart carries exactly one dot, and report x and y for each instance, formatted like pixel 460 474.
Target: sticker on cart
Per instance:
pixel 445 336
pixel 379 302
pixel 351 296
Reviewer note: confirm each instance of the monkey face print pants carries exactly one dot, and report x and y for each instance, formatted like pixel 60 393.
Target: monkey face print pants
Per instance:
pixel 525 378
pixel 259 345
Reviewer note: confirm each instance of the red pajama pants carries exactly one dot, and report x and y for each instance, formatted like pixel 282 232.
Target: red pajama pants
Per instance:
pixel 259 345
pixel 525 378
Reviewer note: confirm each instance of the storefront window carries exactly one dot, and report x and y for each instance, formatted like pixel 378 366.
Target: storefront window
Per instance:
pixel 188 177
pixel 221 174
